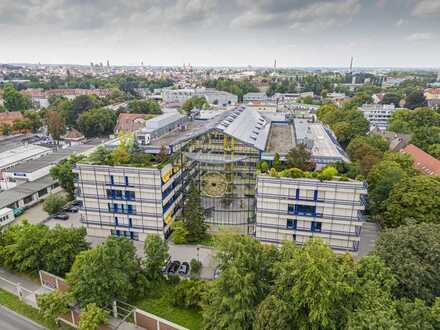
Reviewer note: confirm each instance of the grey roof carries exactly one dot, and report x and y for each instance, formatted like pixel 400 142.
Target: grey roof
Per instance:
pixel 246 125
pixel 26 189
pixel 50 159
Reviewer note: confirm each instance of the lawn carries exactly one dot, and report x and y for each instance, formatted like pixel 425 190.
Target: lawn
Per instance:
pixel 159 304
pixel 12 302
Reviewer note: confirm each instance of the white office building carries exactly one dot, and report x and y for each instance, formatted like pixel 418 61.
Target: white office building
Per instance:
pixel 298 209
pixel 128 201
pixel 378 115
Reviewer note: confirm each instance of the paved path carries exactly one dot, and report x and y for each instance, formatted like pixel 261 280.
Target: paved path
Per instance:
pixel 11 321
pixel 369 234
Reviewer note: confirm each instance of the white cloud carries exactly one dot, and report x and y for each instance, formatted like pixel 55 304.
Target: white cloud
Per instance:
pixel 425 8
pixel 419 36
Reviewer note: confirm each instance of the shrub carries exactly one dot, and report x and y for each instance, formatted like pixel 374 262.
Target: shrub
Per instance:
pixel 54 203
pixel 180 233
pixel 53 304
pixel 189 294
pixel 196 268
pixel 92 317
pixel 173 279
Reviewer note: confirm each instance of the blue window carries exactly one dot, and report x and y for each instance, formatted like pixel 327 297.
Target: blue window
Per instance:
pixel 115 207
pixel 291 209
pixel 308 210
pixel 122 208
pixel 316 226
pixel 126 180
pixel 315 195
pixel 109 207
pixel 109 193
pixel 118 233
pixel 129 195
pixel 116 221
pixel 130 209
pixel 291 224
pixel 112 179
pixel 130 223
pixel 297 194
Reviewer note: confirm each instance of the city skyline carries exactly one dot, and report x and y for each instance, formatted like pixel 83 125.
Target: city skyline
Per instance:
pixel 383 33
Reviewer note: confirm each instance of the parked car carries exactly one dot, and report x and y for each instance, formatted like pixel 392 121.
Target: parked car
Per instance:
pixel 18 211
pixel 174 267
pixel 77 203
pixel 72 209
pixel 184 268
pixel 61 216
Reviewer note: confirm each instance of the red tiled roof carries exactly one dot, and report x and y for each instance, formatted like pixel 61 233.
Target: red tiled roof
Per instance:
pixel 423 161
pixel 10 117
pixel 128 122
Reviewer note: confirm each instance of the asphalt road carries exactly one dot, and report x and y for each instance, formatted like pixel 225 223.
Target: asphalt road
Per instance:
pixel 10 321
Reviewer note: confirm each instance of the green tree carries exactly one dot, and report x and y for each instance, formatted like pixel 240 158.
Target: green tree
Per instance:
pixel 300 157
pixel 391 99
pixel 434 150
pixel 243 283
pixel 97 122
pixel 81 104
pixel 195 268
pixel 144 106
pixel 413 254
pixel 195 102
pixel 54 203
pixel 62 245
pixel 415 100
pixel 424 137
pixel 156 254
pixel 14 100
pixel 107 272
pixel 413 200
pixel 63 173
pixel 194 215
pixel 53 304
pixel 189 294
pixel 92 317
pixel 381 180
pixel 276 164
pixel 405 161
pixel 34 119
pixel 180 233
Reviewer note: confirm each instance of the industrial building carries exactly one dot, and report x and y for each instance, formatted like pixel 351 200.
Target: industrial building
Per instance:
pixel 298 209
pixel 218 154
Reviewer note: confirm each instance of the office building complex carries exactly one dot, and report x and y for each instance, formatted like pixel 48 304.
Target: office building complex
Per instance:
pixel 378 115
pixel 298 209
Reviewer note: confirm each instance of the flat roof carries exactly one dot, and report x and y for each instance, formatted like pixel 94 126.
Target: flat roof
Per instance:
pixel 50 159
pixel 21 191
pixel 21 153
pixel 281 139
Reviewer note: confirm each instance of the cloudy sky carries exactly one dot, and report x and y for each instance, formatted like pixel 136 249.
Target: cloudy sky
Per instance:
pixel 396 33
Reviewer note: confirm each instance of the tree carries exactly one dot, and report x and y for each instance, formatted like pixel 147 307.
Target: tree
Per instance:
pixel 55 125
pixel 147 107
pixel 54 203
pixel 189 294
pixel 81 104
pixel 409 248
pixel 276 164
pixel 63 173
pixel 434 150
pixel 196 268
pixel 91 317
pixel 34 120
pixel 97 122
pixel 180 233
pixel 156 254
pixel 300 157
pixel 13 100
pixel 62 245
pixel 413 200
pixel 415 100
pixel 405 161
pixel 244 282
pixel 28 248
pixel 195 102
pixel 194 215
pixel 23 248
pixel 53 304
pixel 391 99
pixel 373 140
pixel 107 272
pixel 424 137
pixel 381 180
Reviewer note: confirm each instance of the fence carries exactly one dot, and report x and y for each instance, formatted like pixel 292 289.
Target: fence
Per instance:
pixel 25 295
pixel 121 312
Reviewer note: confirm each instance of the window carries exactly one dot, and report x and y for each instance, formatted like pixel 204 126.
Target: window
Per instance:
pixel 130 223
pixel 305 210
pixel 42 192
pixel 291 224
pixel 109 207
pixel 315 195
pixel 294 238
pixel 297 194
pixel 130 209
pixel 126 180
pixel 115 207
pixel 118 194
pixel 28 199
pixel 116 221
pixel 109 193
pixel 129 195
pixel 316 226
pixel 112 179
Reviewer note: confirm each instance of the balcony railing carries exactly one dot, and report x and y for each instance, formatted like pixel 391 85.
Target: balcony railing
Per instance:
pixel 309 230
